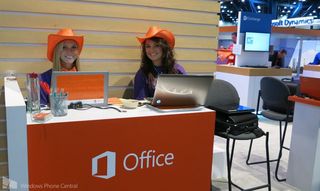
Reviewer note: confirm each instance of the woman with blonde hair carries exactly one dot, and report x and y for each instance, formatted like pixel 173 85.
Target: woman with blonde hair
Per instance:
pixel 157 57
pixel 63 51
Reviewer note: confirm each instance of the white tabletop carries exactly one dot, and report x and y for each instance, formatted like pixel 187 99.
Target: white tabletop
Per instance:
pixel 98 114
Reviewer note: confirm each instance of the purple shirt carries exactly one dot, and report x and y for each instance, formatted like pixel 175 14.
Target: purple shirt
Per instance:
pixel 142 88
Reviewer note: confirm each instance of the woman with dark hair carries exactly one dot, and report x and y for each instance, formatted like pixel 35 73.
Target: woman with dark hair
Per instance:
pixel 157 57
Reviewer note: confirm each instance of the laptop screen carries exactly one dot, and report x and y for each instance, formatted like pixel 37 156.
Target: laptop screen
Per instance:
pixel 181 90
pixel 87 87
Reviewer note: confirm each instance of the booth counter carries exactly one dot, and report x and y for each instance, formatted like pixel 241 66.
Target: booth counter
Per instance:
pixel 96 149
pixel 304 167
pixel 311 71
pixel 247 80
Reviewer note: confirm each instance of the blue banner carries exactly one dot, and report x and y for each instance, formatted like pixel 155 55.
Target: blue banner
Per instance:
pixel 255 22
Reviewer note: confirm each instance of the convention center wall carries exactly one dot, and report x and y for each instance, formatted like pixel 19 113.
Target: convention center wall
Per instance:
pixel 110 28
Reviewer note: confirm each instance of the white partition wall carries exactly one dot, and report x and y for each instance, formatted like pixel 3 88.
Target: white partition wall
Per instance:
pixel 304 167
pixel 247 86
pixel 16 136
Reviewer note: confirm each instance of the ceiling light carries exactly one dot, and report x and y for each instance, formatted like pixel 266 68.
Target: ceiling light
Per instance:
pixel 294 3
pixel 242 1
pixel 285 7
pixel 258 7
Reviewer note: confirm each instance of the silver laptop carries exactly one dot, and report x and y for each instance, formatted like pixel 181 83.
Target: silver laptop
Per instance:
pixel 87 87
pixel 181 91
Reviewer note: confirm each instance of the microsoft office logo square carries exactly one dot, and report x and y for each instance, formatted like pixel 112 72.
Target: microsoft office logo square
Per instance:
pixel 104 165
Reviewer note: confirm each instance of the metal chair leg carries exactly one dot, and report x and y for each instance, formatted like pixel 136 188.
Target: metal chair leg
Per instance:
pixel 228 165
pixel 232 151
pixel 268 161
pixel 249 152
pixel 281 146
pixel 257 162
pixel 280 153
pixel 280 132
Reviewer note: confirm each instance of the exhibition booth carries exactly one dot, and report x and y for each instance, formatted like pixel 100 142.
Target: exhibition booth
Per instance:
pixel 147 149
pixel 137 149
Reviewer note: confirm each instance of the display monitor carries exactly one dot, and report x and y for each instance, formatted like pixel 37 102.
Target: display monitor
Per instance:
pixel 258 42
pixel 87 87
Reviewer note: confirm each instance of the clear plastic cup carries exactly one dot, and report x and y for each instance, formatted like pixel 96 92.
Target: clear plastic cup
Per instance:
pixel 58 104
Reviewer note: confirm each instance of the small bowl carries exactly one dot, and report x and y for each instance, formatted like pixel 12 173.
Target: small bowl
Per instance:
pixel 130 103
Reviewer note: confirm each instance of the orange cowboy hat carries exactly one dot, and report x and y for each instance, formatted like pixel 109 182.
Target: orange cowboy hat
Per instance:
pixel 62 34
pixel 155 31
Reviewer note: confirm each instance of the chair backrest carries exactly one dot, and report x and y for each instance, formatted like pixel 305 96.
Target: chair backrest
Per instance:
pixel 222 93
pixel 274 94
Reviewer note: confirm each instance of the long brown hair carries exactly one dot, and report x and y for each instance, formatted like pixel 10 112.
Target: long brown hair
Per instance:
pixel 168 59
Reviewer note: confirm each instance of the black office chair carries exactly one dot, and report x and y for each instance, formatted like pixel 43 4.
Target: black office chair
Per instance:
pixel 276 106
pixel 223 94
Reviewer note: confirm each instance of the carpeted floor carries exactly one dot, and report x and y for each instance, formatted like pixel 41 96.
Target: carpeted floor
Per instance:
pixel 249 176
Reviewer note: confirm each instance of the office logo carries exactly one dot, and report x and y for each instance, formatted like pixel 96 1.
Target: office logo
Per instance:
pixel 109 161
pixel 104 165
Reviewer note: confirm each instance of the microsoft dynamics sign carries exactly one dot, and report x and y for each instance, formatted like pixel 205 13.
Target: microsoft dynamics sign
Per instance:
pixel 299 21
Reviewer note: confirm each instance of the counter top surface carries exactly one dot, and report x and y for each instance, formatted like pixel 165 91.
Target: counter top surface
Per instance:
pixel 308 101
pixel 247 71
pixel 101 114
pixel 312 67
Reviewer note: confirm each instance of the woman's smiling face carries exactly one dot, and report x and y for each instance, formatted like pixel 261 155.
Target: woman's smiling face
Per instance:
pixel 154 52
pixel 69 52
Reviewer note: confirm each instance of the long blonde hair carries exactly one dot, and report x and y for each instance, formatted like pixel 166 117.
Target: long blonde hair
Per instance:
pixel 56 62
